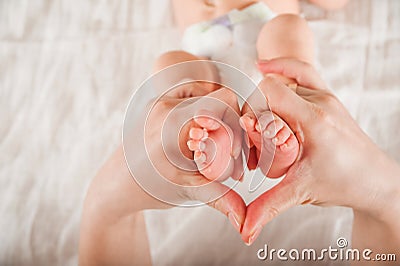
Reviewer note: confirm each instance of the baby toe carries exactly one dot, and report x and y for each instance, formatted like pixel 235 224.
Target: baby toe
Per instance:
pixel 196 133
pixel 264 120
pixel 290 144
pixel 282 136
pixel 194 145
pixel 199 157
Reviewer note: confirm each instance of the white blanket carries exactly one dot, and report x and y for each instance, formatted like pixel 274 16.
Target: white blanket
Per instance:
pixel 67 70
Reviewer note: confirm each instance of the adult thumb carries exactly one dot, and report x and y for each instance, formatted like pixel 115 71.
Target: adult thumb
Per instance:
pixel 283 101
pixel 269 205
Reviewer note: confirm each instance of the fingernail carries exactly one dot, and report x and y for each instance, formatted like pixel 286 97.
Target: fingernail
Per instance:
pixel 234 221
pixel 254 235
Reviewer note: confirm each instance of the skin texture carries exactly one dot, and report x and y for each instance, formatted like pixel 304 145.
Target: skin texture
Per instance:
pixel 112 212
pixel 350 178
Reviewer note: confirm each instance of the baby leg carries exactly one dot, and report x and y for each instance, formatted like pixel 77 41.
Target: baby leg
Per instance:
pixel 286 35
pixel 204 71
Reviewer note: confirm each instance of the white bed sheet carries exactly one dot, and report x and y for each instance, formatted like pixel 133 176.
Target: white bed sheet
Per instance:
pixel 67 70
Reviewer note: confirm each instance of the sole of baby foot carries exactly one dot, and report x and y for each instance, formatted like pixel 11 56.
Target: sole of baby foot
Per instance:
pixel 211 147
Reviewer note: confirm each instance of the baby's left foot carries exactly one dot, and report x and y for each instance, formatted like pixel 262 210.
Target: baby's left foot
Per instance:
pixel 211 142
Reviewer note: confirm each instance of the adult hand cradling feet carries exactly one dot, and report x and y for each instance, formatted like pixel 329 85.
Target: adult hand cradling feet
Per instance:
pixel 217 155
pixel 334 163
pixel 114 201
pixel 337 165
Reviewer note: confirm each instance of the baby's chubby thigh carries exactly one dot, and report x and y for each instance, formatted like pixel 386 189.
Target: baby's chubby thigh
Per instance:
pixel 187 74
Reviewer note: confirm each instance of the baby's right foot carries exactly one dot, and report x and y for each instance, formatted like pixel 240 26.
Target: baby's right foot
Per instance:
pixel 270 133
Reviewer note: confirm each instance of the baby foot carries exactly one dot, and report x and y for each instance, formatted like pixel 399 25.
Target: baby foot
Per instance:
pixel 271 133
pixel 210 140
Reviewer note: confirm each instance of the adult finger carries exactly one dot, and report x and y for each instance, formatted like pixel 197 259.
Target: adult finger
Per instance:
pixel 221 198
pixel 304 74
pixel 286 194
pixel 284 102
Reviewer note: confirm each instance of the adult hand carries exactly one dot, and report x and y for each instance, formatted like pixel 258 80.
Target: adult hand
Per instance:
pixel 112 213
pixel 171 117
pixel 337 164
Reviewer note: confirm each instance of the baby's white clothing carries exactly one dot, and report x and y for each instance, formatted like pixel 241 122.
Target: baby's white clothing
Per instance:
pixel 230 39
